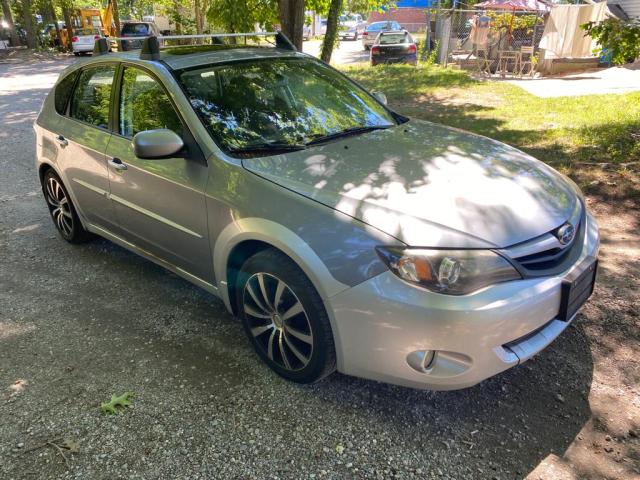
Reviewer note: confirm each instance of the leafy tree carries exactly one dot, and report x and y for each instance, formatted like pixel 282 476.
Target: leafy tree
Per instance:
pixel 29 23
pixel 241 16
pixel 8 17
pixel 620 39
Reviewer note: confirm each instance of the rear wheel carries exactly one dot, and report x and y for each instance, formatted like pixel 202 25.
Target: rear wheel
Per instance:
pixel 284 318
pixel 61 209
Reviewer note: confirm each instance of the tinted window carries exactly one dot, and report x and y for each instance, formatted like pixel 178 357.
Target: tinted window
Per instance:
pixel 394 38
pixel 144 105
pixel 63 92
pixel 277 101
pixel 92 96
pixel 135 29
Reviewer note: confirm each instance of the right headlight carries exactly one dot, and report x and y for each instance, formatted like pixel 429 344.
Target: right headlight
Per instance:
pixel 452 272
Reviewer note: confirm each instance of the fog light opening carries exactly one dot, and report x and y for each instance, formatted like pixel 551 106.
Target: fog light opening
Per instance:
pixel 421 360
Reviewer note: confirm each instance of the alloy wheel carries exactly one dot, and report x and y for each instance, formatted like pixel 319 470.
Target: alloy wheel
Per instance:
pixel 278 321
pixel 59 206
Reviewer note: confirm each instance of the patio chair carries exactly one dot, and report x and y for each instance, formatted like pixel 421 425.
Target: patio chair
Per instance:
pixel 483 62
pixel 506 59
pixel 526 59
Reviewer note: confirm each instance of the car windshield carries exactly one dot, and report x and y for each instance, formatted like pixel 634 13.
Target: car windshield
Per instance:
pixel 279 103
pixel 394 39
pixel 135 29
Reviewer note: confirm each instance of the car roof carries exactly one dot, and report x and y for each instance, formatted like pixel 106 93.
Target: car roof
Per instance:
pixel 179 58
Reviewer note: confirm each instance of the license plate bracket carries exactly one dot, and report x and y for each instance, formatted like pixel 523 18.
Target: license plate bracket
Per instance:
pixel 576 291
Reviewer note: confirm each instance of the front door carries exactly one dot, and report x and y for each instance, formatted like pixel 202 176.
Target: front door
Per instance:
pixel 160 204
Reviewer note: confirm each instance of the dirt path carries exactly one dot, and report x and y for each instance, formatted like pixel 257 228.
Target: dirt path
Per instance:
pixel 78 324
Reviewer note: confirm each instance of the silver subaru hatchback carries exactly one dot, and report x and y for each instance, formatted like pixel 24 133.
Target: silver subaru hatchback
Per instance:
pixel 343 235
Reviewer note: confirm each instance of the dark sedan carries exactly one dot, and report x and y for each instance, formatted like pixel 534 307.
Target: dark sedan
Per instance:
pixel 394 47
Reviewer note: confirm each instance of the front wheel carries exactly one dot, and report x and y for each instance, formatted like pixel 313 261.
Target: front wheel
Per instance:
pixel 284 318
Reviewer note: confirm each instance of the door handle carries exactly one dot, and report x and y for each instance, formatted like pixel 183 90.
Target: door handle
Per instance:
pixel 62 141
pixel 117 164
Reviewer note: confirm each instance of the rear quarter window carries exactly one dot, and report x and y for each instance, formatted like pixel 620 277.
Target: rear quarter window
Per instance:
pixel 63 92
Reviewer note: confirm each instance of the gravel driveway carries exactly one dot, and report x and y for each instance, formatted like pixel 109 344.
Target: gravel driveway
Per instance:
pixel 80 323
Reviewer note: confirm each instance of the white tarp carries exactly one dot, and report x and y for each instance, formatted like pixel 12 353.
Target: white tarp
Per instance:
pixel 563 37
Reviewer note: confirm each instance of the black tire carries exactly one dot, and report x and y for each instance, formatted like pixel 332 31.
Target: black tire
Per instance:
pixel 61 209
pixel 77 54
pixel 273 266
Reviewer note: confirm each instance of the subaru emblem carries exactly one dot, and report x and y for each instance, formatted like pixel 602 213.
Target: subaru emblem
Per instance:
pixel 565 233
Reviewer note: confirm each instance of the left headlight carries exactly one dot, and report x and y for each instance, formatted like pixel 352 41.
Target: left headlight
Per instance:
pixel 452 272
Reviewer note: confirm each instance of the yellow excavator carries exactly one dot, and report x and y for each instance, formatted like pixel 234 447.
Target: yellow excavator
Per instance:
pixel 100 19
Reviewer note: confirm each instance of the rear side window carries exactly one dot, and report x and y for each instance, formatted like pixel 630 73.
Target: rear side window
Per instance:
pixel 63 92
pixel 92 96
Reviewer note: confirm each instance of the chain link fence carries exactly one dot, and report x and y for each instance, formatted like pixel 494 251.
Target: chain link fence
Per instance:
pixel 487 41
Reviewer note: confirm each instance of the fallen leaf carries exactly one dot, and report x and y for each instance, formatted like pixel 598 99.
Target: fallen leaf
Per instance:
pixel 116 401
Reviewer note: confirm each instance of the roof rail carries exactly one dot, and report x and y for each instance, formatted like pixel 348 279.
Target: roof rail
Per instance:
pixel 151 45
pixel 101 47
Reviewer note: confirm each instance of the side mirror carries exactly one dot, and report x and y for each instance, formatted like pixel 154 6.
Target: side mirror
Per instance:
pixel 160 143
pixel 381 97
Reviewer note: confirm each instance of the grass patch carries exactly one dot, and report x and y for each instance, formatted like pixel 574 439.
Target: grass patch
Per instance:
pixel 581 136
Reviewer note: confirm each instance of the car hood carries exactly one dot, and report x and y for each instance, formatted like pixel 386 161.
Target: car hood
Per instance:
pixel 429 185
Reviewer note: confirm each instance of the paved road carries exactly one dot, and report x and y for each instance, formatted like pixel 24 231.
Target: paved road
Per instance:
pixel 347 52
pixel 80 323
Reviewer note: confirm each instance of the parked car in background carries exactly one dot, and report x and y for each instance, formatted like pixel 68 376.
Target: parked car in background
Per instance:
pixel 351 26
pixel 306 32
pixel 372 30
pixel 394 47
pixel 323 27
pixel 84 39
pixel 137 29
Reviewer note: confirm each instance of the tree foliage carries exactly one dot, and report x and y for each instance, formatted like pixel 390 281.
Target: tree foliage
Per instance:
pixel 618 38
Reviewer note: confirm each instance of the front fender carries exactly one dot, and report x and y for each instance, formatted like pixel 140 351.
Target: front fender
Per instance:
pixel 288 242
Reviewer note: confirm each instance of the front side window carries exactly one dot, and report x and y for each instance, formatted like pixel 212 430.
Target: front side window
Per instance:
pixel 279 102
pixel 144 105
pixel 92 96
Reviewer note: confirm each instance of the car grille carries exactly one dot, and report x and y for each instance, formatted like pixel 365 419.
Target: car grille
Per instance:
pixel 545 255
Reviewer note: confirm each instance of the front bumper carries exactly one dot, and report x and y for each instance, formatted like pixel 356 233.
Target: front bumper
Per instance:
pixel 379 324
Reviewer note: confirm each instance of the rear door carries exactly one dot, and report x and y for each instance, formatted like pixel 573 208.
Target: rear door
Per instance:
pixel 82 136
pixel 160 203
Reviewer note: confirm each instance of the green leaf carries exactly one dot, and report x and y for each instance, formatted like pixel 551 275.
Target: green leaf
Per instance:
pixel 122 401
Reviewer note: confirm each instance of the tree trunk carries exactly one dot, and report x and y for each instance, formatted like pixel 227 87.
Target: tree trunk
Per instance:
pixel 178 17
pixel 116 16
pixel 197 7
pixel 8 17
pixel 54 17
pixel 291 13
pixel 29 24
pixel 66 13
pixel 332 30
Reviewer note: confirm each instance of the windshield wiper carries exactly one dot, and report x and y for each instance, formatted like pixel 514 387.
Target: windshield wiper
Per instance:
pixel 271 148
pixel 346 133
